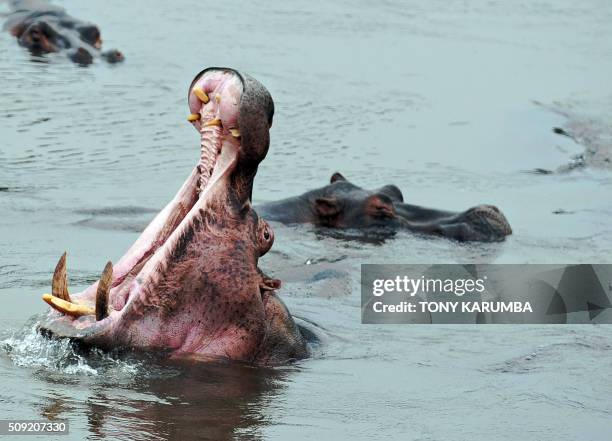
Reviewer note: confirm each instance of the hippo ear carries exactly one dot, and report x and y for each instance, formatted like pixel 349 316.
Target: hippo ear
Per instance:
pixel 393 192
pixel 327 207
pixel 336 177
pixel 380 206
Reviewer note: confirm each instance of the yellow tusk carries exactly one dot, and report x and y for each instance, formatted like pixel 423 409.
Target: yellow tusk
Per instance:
pixel 193 117
pixel 213 122
pixel 218 98
pixel 68 308
pixel 235 133
pixel 202 96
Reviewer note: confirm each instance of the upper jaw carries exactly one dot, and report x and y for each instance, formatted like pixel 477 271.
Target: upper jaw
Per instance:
pixel 214 103
pixel 230 109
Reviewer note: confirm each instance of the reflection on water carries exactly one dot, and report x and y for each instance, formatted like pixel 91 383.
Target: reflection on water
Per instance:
pixel 439 98
pixel 197 402
pixel 144 396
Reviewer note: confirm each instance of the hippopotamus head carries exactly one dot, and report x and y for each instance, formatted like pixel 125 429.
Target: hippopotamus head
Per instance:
pixel 47 29
pixel 190 285
pixel 344 205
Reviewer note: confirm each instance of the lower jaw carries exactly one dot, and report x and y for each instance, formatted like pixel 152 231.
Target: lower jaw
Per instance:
pixel 156 251
pixel 214 181
pixel 154 248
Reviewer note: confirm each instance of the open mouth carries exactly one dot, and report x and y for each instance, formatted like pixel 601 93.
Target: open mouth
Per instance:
pixel 190 285
pixel 214 102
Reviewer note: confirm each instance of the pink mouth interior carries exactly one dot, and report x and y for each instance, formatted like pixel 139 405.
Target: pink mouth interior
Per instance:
pixel 219 151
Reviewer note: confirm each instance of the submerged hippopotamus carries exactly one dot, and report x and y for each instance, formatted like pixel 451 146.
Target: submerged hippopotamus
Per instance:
pixel 44 28
pixel 342 204
pixel 190 285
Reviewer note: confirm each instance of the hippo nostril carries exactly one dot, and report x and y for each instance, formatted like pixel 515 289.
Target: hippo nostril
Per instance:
pixel 113 56
pixel 266 235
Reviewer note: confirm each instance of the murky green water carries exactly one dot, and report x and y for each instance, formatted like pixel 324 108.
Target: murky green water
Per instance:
pixel 453 103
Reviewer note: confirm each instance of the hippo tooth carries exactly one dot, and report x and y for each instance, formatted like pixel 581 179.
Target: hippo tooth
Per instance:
pixel 193 117
pixel 59 283
pixel 213 122
pixel 235 133
pixel 102 293
pixel 69 308
pixel 218 98
pixel 202 96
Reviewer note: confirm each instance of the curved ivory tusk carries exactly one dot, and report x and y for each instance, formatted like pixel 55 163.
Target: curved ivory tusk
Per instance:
pixel 102 293
pixel 69 308
pixel 59 283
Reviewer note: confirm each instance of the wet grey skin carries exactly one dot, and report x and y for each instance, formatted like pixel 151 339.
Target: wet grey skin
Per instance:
pixel 190 286
pixel 342 205
pixel 43 28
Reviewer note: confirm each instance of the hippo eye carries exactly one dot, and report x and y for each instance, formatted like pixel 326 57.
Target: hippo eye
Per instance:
pixel 380 206
pixel 383 213
pixel 265 237
pixel 90 34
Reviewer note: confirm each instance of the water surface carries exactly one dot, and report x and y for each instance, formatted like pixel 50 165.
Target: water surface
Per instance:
pixel 454 102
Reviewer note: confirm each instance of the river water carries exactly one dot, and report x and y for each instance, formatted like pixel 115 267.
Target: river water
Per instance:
pixel 454 102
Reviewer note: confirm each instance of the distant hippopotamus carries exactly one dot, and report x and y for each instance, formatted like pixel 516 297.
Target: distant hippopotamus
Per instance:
pixel 342 204
pixel 190 285
pixel 43 28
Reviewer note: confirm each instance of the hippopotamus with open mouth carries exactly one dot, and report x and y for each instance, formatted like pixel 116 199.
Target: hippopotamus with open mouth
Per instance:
pixel 190 285
pixel 344 205
pixel 43 28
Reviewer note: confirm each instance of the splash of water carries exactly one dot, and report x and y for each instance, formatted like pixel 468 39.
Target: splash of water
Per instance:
pixel 28 348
